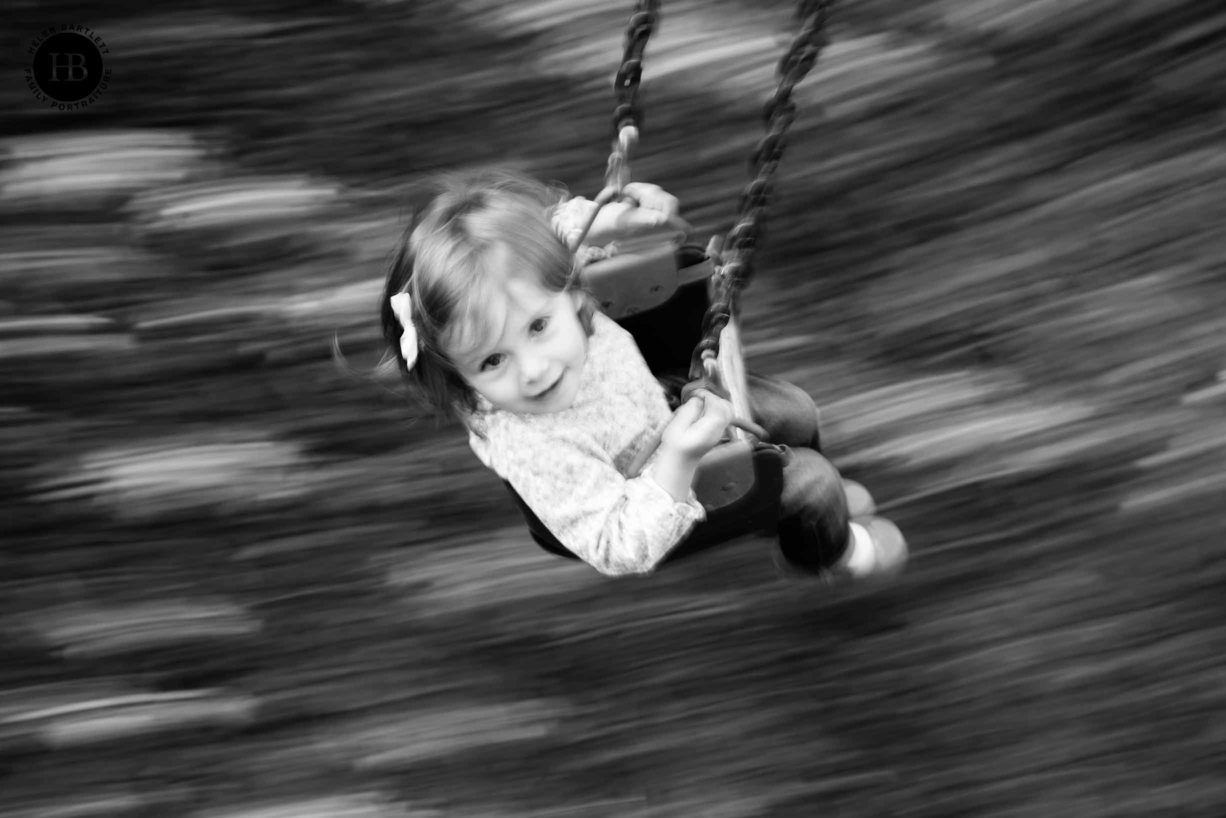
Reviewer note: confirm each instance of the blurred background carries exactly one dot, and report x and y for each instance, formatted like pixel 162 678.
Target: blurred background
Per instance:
pixel 234 582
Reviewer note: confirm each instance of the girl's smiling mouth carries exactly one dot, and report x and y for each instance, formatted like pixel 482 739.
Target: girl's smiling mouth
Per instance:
pixel 549 391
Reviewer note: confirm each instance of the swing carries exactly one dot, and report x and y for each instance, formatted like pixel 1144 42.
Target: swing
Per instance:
pixel 681 303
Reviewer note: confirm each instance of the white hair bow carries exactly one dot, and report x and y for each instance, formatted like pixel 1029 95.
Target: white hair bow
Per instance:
pixel 402 306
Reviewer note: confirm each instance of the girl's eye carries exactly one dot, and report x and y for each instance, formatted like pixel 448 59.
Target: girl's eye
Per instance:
pixel 492 361
pixel 539 324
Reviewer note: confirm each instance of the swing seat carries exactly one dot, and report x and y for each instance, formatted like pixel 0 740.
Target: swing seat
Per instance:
pixel 739 482
pixel 628 284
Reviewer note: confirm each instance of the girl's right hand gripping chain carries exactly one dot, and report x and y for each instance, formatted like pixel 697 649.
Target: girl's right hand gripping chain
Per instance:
pixel 694 429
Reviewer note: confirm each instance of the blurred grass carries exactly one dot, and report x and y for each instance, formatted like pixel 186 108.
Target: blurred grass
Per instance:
pixel 994 258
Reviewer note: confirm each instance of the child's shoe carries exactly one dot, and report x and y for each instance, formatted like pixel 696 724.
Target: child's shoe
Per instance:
pixel 876 550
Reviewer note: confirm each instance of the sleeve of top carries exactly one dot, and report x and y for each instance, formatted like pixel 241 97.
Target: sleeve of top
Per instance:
pixel 570 216
pixel 616 525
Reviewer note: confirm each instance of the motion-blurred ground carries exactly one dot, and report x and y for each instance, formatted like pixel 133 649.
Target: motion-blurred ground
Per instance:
pixel 235 583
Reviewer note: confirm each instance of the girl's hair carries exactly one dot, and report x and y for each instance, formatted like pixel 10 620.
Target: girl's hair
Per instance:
pixel 444 261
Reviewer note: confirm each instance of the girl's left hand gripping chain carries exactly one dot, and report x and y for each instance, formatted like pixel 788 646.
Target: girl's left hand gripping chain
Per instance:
pixel 695 428
pixel 646 212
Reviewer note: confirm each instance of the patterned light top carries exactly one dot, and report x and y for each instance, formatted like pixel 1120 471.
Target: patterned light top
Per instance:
pixel 570 466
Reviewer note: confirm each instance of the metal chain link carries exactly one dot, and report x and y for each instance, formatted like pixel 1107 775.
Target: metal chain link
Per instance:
pixel 629 114
pixel 779 112
pixel 626 84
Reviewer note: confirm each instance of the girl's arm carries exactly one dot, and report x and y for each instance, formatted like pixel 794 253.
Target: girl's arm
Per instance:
pixel 618 526
pixel 675 474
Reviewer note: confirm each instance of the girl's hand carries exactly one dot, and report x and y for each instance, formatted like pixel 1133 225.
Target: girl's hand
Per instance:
pixel 656 215
pixel 696 426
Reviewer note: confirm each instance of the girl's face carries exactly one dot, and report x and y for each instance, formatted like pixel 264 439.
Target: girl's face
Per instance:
pixel 531 363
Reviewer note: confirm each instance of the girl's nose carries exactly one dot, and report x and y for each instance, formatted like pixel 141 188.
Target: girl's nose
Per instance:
pixel 533 368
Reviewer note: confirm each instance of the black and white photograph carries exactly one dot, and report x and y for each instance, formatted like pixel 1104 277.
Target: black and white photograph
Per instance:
pixel 636 409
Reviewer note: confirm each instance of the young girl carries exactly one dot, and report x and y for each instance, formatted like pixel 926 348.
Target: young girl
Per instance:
pixel 485 313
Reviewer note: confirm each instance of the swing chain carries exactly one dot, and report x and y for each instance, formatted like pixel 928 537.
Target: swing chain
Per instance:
pixel 735 268
pixel 628 113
